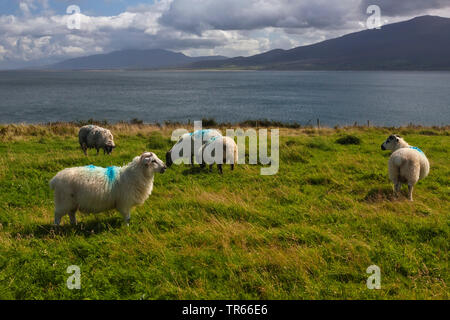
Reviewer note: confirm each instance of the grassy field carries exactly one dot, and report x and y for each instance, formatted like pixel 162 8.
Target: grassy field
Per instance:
pixel 309 232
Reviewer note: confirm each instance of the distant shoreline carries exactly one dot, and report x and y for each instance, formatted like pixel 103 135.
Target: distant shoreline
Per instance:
pixel 221 70
pixel 211 123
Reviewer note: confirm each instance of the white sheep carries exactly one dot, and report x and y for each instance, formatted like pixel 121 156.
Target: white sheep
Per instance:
pixel 93 189
pixel 407 164
pixel 229 152
pixel 190 139
pixel 91 136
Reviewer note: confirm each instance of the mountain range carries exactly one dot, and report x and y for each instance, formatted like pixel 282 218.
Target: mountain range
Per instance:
pixel 131 59
pixel 422 43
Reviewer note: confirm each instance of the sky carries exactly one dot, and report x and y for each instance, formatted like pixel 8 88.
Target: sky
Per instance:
pixel 40 32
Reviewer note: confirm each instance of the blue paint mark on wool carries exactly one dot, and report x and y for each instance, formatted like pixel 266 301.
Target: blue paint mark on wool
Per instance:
pixel 213 139
pixel 415 148
pixel 200 132
pixel 111 173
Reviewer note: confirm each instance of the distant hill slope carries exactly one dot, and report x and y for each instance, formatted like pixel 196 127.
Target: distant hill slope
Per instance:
pixel 130 59
pixel 422 43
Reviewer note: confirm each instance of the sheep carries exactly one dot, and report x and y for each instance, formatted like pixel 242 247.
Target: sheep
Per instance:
pixel 229 156
pixel 91 136
pixel 92 189
pixel 201 136
pixel 407 164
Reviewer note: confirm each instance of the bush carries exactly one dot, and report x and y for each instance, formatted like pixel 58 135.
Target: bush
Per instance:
pixel 209 122
pixel 136 121
pixel 349 139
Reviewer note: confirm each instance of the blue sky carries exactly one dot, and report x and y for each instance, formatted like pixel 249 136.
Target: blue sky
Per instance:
pixel 35 32
pixel 94 7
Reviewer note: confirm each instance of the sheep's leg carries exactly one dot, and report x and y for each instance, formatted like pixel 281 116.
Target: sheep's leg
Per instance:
pixel 397 187
pixel 210 167
pixel 58 215
pixel 219 166
pixel 126 216
pixel 84 148
pixel 410 191
pixel 73 218
pixel 232 166
pixel 57 220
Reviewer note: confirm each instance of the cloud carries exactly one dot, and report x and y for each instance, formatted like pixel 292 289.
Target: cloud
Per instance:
pixel 196 27
pixel 405 7
pixel 197 16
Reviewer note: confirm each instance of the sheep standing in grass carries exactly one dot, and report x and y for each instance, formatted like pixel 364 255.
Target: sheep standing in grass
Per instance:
pixel 407 164
pixel 201 136
pixel 93 189
pixel 91 136
pixel 229 152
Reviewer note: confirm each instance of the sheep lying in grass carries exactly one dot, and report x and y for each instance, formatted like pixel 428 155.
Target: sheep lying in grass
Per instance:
pixel 230 152
pixel 201 136
pixel 406 165
pixel 91 136
pixel 93 189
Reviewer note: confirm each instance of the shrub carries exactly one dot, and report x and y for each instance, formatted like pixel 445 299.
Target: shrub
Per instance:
pixel 209 122
pixel 136 121
pixel 348 139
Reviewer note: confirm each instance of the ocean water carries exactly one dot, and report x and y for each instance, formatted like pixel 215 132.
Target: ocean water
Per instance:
pixel 336 98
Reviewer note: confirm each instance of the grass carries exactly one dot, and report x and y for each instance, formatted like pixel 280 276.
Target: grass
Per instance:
pixel 309 232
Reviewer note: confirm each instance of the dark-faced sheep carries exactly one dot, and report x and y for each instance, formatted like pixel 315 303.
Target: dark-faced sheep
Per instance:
pixel 228 149
pixel 186 144
pixel 96 137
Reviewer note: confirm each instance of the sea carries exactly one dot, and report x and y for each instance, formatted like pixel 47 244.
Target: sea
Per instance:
pixel 340 98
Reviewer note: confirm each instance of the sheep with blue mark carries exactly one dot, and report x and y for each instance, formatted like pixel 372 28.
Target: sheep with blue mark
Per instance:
pixel 91 136
pixel 219 150
pixel 407 164
pixel 189 141
pixel 92 189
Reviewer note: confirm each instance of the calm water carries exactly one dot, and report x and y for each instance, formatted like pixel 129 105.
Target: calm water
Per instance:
pixel 384 98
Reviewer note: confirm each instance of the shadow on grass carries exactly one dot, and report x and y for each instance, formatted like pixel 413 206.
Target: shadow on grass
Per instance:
pixel 85 229
pixel 380 194
pixel 195 170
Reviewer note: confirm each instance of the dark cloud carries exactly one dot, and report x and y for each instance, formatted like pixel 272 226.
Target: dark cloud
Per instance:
pixel 198 15
pixel 405 7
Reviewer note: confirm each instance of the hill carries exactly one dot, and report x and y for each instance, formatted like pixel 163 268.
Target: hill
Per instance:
pixel 130 59
pixel 418 44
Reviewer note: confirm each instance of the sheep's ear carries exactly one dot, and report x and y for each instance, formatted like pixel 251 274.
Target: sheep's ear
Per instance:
pixel 146 158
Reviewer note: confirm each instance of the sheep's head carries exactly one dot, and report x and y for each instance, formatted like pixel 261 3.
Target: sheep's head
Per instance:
pixel 109 147
pixel 169 161
pixel 152 163
pixel 393 142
